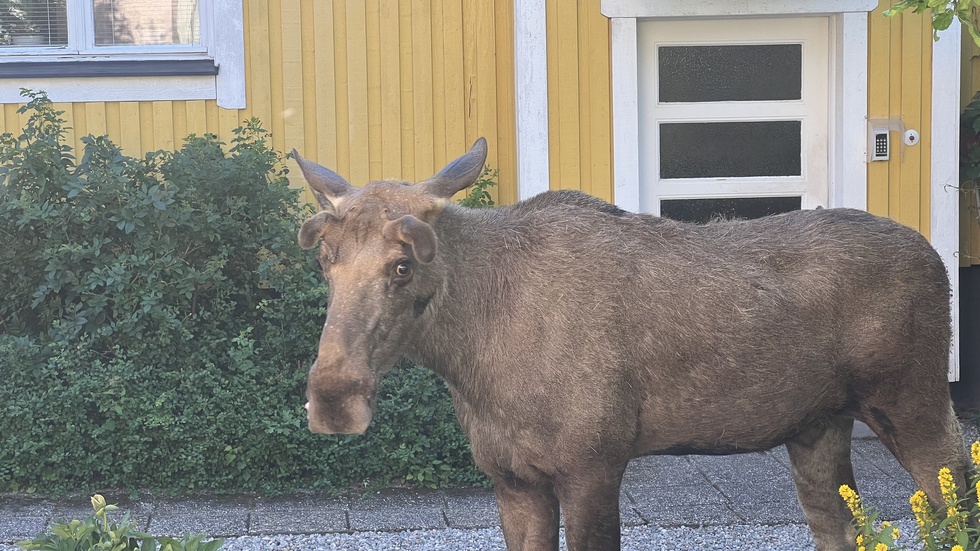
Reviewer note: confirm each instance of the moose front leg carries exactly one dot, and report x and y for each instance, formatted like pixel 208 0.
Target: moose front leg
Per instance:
pixel 528 515
pixel 590 504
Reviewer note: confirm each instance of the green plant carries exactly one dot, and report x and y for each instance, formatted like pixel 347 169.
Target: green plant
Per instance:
pixel 96 533
pixel 158 320
pixel 944 12
pixel 478 195
pixel 952 529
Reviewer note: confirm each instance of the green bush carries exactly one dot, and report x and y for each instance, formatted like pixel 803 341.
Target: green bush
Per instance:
pixel 157 323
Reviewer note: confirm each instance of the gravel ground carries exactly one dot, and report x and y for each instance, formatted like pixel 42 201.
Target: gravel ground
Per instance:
pixel 638 538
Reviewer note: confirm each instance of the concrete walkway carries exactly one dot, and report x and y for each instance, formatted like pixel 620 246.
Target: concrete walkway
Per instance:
pixel 664 491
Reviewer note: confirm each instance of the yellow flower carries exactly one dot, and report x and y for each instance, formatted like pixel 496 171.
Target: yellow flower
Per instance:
pixel 921 509
pixel 860 539
pixel 883 547
pixel 957 548
pixel 895 533
pixel 853 503
pixel 946 484
pixel 975 453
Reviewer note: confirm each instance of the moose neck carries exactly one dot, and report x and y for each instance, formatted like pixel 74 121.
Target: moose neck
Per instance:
pixel 456 341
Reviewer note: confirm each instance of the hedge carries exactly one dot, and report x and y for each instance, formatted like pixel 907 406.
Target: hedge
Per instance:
pixel 158 320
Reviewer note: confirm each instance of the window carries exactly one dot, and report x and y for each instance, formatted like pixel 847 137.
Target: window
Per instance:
pixel 123 50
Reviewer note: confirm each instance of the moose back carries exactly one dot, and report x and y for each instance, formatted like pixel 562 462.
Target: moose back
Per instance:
pixel 574 336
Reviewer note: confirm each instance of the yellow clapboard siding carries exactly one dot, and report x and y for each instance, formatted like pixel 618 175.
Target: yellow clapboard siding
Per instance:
pixel 324 117
pixel 579 99
pixel 259 63
pixel 899 88
pixel 456 98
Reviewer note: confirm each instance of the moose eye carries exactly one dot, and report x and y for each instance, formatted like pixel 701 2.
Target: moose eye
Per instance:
pixel 403 269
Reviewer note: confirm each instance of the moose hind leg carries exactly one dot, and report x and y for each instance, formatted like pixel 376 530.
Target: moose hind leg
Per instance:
pixel 924 438
pixel 821 461
pixel 528 515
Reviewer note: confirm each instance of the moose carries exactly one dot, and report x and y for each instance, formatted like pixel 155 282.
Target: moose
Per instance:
pixel 574 336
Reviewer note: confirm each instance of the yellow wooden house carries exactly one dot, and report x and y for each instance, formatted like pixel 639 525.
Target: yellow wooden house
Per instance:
pixel 677 108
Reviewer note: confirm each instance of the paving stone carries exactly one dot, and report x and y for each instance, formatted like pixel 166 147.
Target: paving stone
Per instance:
pixel 303 515
pixel 213 517
pixel 471 509
pixel 661 471
pixel 748 479
pixel 395 510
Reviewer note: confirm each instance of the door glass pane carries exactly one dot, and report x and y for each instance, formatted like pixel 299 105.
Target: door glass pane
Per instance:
pixel 757 72
pixel 146 22
pixel 702 211
pixel 730 149
pixel 25 23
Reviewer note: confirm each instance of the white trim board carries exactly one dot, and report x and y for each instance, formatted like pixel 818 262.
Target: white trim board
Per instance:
pixel 531 97
pixel 944 214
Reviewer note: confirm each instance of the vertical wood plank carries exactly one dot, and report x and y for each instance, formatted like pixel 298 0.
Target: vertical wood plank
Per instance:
pixel 925 135
pixel 357 92
pixel 422 88
pixel 911 109
pixel 277 71
pixel 291 41
pixel 406 122
pixel 470 45
pixel 554 101
pixel 389 81
pixel 342 88
pixel 879 67
pixel 455 95
pixel 163 126
pixel 438 63
pixel 374 101
pixel 599 172
pixel 180 122
pixel 129 128
pixel 506 190
pixel 307 116
pixel 325 84
pixel 196 117
pixel 486 80
pixel 259 77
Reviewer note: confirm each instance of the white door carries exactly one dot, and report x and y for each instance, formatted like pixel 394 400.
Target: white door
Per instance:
pixel 733 116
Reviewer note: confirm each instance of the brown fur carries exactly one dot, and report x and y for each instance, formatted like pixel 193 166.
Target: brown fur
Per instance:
pixel 575 336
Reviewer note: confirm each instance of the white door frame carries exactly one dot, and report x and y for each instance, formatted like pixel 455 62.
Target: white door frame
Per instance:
pixel 849 52
pixel 849 110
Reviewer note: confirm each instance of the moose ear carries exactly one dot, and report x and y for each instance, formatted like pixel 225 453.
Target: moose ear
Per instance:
pixel 312 229
pixel 327 185
pixel 412 231
pixel 459 174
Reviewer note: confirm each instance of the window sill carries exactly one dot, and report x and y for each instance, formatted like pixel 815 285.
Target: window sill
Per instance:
pixel 113 68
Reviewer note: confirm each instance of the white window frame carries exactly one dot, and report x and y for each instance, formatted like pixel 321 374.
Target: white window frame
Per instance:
pixel 222 41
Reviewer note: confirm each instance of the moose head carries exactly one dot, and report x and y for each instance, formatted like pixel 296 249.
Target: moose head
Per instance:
pixel 380 256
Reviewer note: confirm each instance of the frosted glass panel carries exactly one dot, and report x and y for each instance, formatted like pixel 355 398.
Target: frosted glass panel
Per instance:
pixel 730 73
pixel 702 211
pixel 730 149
